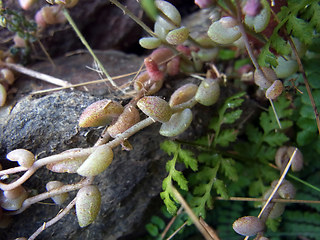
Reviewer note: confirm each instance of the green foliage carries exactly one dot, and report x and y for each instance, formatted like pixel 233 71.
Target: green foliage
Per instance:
pixel 215 169
pixel 301 20
pixel 179 154
pixel 17 23
pixel 262 144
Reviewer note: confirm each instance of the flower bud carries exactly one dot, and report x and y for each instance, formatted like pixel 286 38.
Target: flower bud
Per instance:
pixel 208 92
pixel 100 113
pixel 60 198
pixel 87 205
pixel 177 124
pixel 97 162
pixel 24 157
pixel 248 226
pixel 156 108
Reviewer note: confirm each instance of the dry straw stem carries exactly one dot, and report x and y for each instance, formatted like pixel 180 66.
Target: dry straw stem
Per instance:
pixel 60 215
pixel 277 186
pixel 35 74
pixel 163 234
pixel 85 43
pixel 192 216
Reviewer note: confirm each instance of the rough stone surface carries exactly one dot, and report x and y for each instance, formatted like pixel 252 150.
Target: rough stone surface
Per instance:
pixel 47 125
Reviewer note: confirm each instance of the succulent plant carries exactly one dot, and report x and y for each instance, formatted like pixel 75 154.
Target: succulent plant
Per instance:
pixel 97 162
pixel 143 81
pixel 297 162
pixel 177 36
pixel 177 124
pixel 266 79
pixel 49 15
pixel 184 97
pixel 208 92
pixel 274 90
pixel 70 165
pixel 127 119
pixel 170 12
pixel 24 157
pixel 286 67
pixel 260 21
pixel 224 31
pixel 156 108
pixel 149 42
pixel 7 75
pixel 248 226
pixel 60 198
pixel 12 199
pixel 87 205
pixel 3 95
pixel 100 113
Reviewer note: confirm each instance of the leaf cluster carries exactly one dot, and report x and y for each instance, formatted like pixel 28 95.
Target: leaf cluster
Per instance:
pixel 300 19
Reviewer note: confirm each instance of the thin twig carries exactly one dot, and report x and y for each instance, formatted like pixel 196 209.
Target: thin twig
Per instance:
pixel 247 199
pixel 191 214
pixel 85 43
pixel 178 230
pixel 163 234
pixel 60 215
pixel 279 183
pixel 35 74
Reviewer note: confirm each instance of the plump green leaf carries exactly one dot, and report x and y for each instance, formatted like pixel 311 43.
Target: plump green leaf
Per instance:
pixel 152 229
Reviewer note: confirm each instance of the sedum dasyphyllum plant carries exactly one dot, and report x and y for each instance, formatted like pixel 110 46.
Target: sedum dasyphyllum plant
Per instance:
pixel 241 24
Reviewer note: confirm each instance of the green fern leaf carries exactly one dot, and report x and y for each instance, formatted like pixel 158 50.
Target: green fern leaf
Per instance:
pixel 275 139
pixel 152 229
pixel 231 117
pixel 180 179
pixel 169 147
pixel 188 159
pixel 225 137
pixel 221 188
pixel 280 45
pixel 300 29
pixel 227 166
pixel 267 58
pixel 171 206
